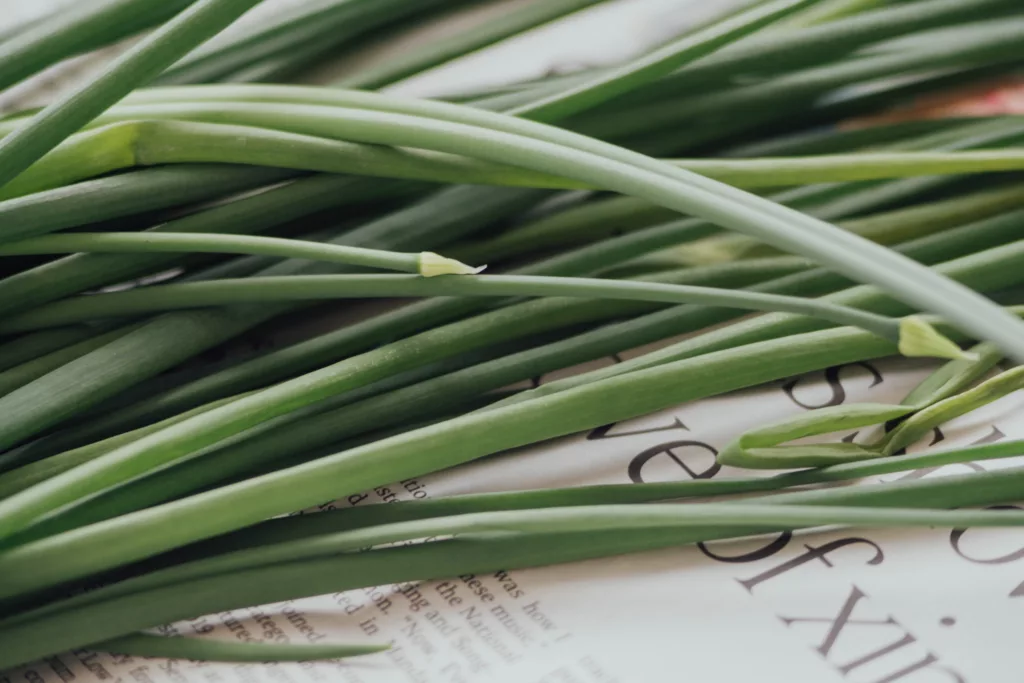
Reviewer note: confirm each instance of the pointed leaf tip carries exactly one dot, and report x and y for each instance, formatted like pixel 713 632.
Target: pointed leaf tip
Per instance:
pixel 919 339
pixel 432 264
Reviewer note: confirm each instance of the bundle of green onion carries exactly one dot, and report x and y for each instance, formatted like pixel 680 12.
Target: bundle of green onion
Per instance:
pixel 614 206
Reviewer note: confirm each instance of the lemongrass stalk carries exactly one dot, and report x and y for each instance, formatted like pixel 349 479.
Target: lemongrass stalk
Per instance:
pixel 306 287
pixel 662 61
pixel 424 263
pixel 54 629
pixel 124 194
pixel 134 68
pixel 213 650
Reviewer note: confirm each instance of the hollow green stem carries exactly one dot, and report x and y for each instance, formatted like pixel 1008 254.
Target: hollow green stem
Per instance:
pixel 77 28
pixel 249 290
pixel 112 243
pixel 399 457
pixel 125 194
pixel 134 68
pixel 614 168
pixel 49 629
pixel 609 84
pixel 212 650
pixel 253 213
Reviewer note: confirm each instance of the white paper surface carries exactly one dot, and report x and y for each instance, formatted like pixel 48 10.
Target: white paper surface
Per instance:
pixel 857 606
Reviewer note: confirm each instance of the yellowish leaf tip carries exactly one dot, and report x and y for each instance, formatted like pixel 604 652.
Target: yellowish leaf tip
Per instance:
pixel 432 264
pixel 920 339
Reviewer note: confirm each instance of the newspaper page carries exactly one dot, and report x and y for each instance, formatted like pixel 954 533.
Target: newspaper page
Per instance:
pixel 844 606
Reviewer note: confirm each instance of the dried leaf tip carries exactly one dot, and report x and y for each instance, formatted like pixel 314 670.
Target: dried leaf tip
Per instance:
pixel 920 339
pixel 432 264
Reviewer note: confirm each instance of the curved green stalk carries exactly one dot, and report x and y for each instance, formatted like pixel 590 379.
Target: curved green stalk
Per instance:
pixel 256 289
pixel 349 419
pixel 290 361
pixel 75 28
pixel 296 528
pixel 125 194
pixel 568 312
pixel 333 422
pixel 830 10
pixel 343 343
pixel 977 265
pixel 140 534
pixel 123 145
pixel 593 221
pixel 617 169
pixel 928 406
pixel 425 263
pixel 168 340
pixel 213 650
pixel 126 144
pixel 33 635
pixel 609 84
pixel 22 374
pixel 803 170
pixel 252 213
pixel 300 32
pixel 886 228
pixel 786 50
pixel 23 477
pixel 134 68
